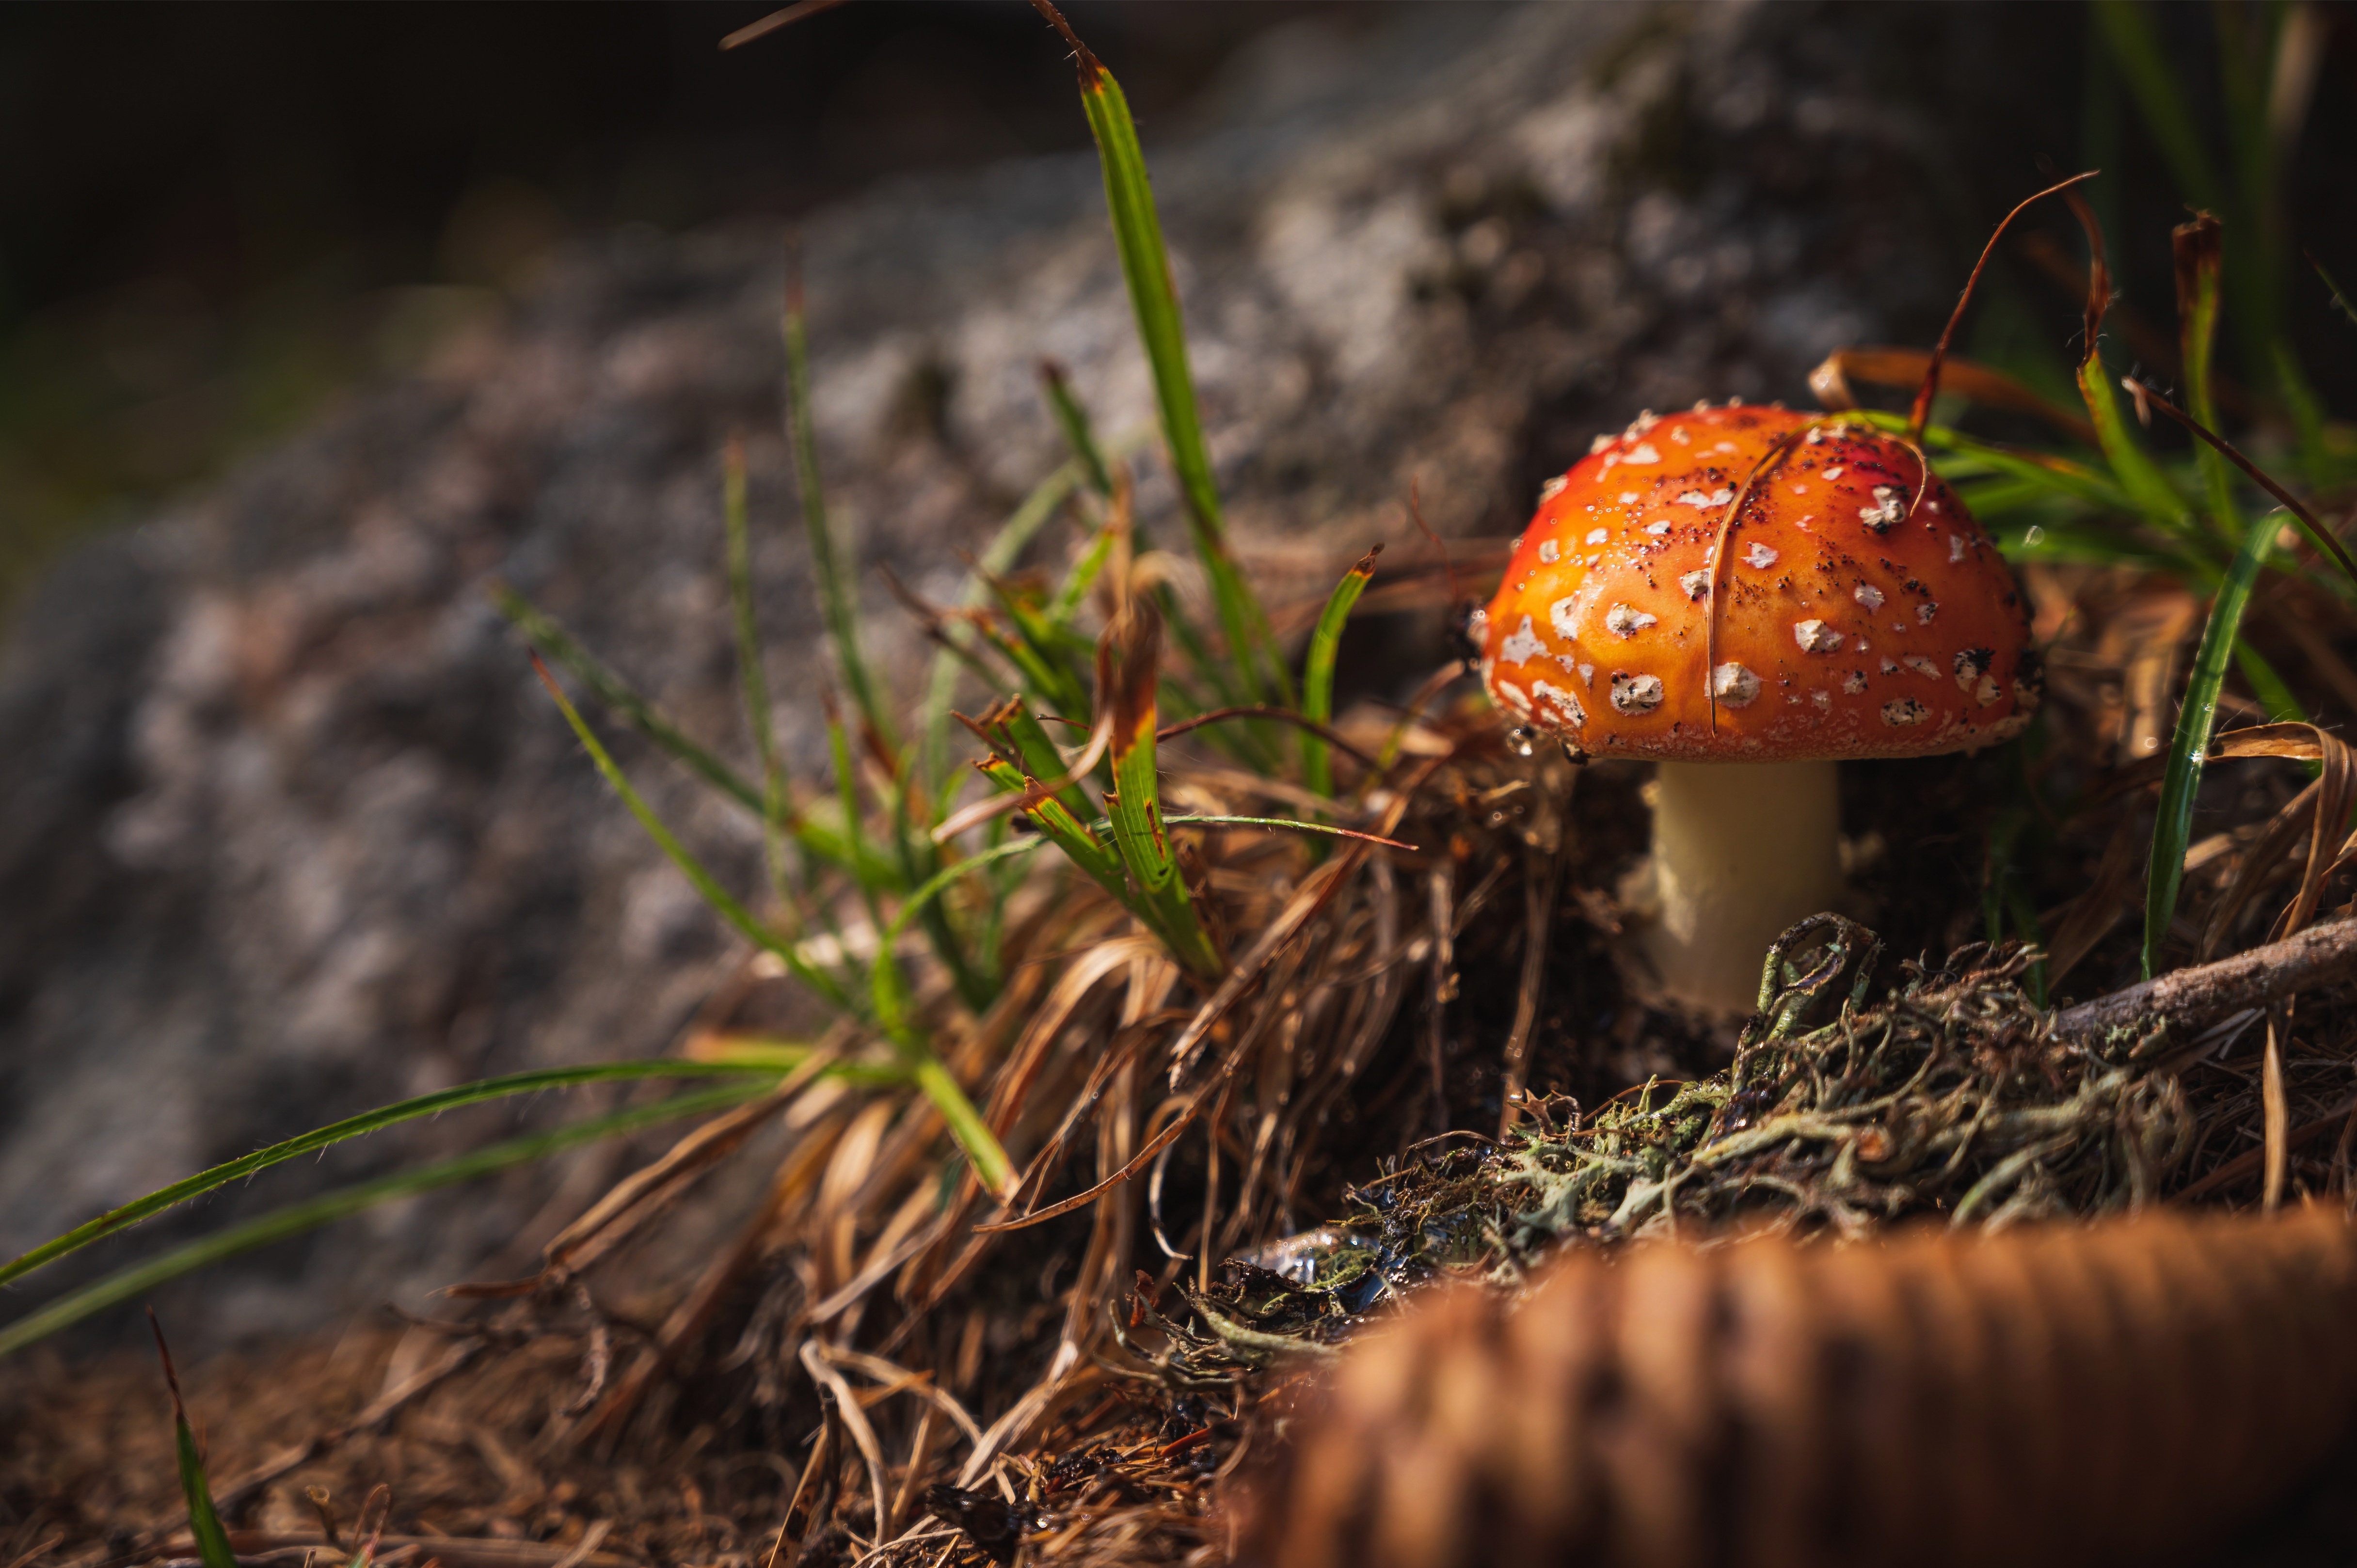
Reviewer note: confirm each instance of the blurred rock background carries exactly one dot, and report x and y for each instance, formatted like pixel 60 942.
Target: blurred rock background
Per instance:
pixel 315 319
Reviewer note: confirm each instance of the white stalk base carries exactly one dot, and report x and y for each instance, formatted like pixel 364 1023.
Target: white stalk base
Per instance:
pixel 1740 852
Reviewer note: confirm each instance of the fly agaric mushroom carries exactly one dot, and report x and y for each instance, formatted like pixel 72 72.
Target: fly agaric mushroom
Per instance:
pixel 1745 596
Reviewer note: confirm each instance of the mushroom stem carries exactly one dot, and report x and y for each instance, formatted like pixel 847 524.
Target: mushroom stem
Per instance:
pixel 1740 852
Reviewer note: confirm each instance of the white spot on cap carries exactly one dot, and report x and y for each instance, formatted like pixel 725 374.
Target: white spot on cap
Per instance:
pixel 1566 704
pixel 1887 510
pixel 1516 698
pixel 1587 673
pixel 1905 711
pixel 1696 584
pixel 1834 472
pixel 1724 446
pixel 1627 497
pixel 1734 685
pixel 1800 489
pixel 1816 435
pixel 1759 556
pixel 1599 445
pixel 1646 419
pixel 1561 614
pixel 1889 668
pixel 1522 644
pixel 1867 595
pixel 1658 528
pixel 1987 693
pixel 1678 434
pixel 1926 610
pixel 1550 552
pixel 1816 637
pixel 1597 535
pixel 1823 701
pixel 1622 620
pixel 1553 487
pixel 1636 694
pixel 1641 453
pixel 1921 666
pixel 1853 683
pixel 1716 498
pixel 1955 548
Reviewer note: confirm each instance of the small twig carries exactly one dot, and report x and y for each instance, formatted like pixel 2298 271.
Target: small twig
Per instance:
pixel 1919 415
pixel 2192 999
pixel 2319 534
pixel 590 1540
pixel 1326 733
pixel 854 1421
pixel 1541 873
pixel 776 19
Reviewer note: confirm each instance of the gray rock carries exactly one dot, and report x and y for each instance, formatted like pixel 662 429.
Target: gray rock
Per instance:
pixel 290 829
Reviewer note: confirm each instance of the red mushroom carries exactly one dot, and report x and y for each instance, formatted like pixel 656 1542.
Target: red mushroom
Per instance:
pixel 1747 594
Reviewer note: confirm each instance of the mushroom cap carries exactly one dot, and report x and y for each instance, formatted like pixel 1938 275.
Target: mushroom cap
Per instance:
pixel 1856 617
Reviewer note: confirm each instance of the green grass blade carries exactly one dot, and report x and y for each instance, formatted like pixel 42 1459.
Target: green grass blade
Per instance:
pixel 965 1122
pixel 2199 257
pixel 1161 328
pixel 2317 460
pixel 1067 833
pixel 545 634
pixel 1999 868
pixel 296 1219
pixel 847 790
pixel 2127 31
pixel 997 558
pixel 2332 288
pixel 838 596
pixel 1043 651
pixel 777 1056
pixel 2148 487
pixel 1318 672
pixel 1079 434
pixel 1281 824
pixel 2188 746
pixel 204 1521
pixel 2274 693
pixel 2047 473
pixel 383 1116
pixel 1083 575
pixel 213 1549
pixel 1019 730
pixel 2326 541
pixel 1153 294
pixel 1127 679
pixel 774 808
pixel 722 901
